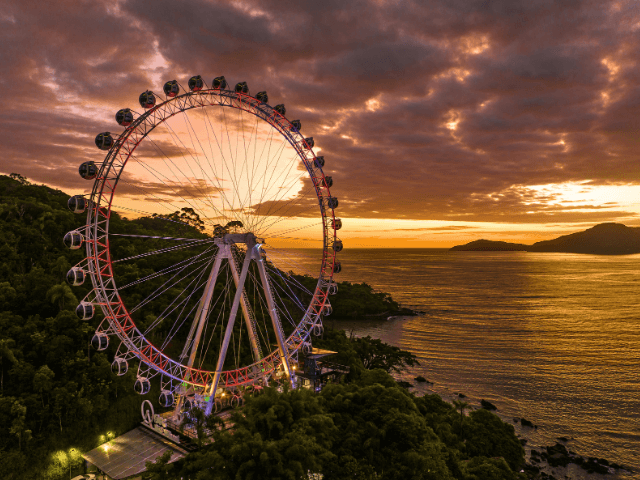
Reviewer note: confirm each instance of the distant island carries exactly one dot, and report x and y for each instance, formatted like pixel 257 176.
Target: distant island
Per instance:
pixel 603 239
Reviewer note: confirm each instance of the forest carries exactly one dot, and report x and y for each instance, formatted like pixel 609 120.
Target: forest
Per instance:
pixel 59 397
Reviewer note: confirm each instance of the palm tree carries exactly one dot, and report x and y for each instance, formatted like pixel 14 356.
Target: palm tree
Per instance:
pixel 60 295
pixel 460 405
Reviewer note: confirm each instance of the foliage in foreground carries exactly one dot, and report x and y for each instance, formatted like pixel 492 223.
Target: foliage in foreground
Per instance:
pixel 369 428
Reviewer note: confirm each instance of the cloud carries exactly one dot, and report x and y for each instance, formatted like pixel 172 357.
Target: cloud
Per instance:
pixel 423 110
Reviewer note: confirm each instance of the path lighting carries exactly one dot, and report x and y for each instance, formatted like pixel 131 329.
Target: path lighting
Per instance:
pixel 110 435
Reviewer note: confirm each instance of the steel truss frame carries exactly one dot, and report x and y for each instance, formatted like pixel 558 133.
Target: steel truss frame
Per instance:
pixel 117 320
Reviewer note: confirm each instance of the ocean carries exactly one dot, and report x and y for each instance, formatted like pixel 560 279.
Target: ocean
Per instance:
pixel 550 337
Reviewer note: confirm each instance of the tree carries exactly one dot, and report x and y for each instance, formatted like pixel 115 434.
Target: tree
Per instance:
pixel 5 353
pixel 462 406
pixel 202 423
pixel 488 436
pixel 18 426
pixel 19 178
pixel 61 295
pixel 161 469
pixel 277 435
pixel 374 353
pixel 43 381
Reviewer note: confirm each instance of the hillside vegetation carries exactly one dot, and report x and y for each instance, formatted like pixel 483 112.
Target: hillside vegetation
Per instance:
pixel 58 397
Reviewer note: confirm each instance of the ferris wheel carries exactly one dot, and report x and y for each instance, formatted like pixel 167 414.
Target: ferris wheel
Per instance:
pixel 221 273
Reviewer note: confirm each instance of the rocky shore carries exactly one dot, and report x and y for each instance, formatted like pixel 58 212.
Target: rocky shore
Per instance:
pixel 544 462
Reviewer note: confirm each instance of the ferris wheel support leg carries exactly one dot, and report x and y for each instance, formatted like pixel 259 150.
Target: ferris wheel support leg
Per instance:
pixel 229 330
pixel 273 313
pixel 201 316
pixel 244 304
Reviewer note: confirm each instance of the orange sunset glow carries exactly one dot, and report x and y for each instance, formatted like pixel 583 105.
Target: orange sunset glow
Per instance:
pixel 440 124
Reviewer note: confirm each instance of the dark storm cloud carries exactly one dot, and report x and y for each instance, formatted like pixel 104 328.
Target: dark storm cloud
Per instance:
pixel 426 110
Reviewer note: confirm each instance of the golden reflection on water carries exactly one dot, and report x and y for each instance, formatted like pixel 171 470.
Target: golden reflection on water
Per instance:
pixel 553 338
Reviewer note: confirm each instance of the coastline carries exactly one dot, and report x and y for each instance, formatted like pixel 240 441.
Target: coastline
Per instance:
pixel 534 439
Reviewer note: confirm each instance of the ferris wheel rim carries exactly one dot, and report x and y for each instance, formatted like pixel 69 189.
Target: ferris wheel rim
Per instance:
pixel 117 316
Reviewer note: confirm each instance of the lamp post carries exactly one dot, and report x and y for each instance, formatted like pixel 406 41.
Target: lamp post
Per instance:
pixel 70 458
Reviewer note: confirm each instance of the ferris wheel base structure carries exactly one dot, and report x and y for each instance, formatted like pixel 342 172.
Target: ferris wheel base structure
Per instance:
pixel 253 253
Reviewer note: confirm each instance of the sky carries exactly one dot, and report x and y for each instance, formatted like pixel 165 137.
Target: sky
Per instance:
pixel 441 122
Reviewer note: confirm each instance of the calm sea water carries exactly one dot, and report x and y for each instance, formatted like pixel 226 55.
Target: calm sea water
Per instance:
pixel 553 338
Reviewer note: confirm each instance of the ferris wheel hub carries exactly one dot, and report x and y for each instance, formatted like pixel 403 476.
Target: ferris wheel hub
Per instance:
pixel 247 238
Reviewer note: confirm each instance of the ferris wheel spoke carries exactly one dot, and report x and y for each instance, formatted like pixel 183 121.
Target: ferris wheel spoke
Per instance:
pixel 169 310
pixel 170 184
pixel 147 214
pixel 266 185
pixel 163 288
pixel 290 280
pixel 281 233
pixel 211 164
pixel 215 172
pixel 278 189
pixel 190 129
pixel 278 201
pixel 159 273
pixel 157 175
pixel 205 240
pixel 292 296
pixel 158 252
pixel 284 312
pixel 239 167
pixel 251 174
pixel 287 259
pixel 160 201
pixel 254 166
pixel 278 219
pixel 177 325
pixel 183 147
pixel 209 125
pixel 225 163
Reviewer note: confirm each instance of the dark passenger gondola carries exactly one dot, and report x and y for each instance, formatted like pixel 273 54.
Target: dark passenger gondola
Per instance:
pixel 171 88
pixel 88 170
pixel 75 276
pixel 77 204
pixel 85 311
pixel 73 240
pixel 100 341
pixel 147 99
pixel 219 83
pixel 196 83
pixel 104 141
pixel 124 117
pixel 241 87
